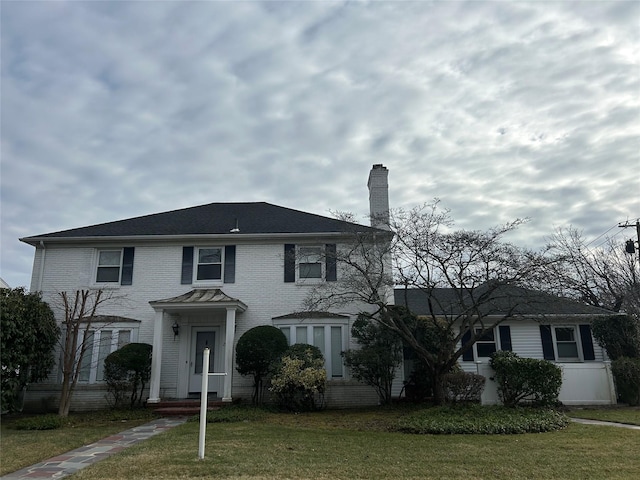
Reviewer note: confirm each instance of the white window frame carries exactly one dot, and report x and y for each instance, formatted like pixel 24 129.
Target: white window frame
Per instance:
pixel 576 339
pixel 196 264
pixel 496 343
pixel 92 353
pixel 98 266
pixel 309 325
pixel 301 255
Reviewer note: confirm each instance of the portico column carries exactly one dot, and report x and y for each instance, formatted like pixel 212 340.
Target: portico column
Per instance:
pixel 230 334
pixel 156 358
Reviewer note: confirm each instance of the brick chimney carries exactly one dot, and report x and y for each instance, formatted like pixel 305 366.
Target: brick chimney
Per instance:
pixel 379 196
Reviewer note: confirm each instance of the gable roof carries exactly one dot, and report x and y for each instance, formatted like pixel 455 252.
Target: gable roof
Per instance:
pixel 212 219
pixel 506 298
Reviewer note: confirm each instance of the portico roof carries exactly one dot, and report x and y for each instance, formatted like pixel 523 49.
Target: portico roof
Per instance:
pixel 200 298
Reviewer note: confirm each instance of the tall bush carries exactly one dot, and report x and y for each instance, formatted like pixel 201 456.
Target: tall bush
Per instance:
pixel 127 371
pixel 525 380
pixel 378 357
pixel 626 372
pixel 619 335
pixel 299 378
pixel 256 351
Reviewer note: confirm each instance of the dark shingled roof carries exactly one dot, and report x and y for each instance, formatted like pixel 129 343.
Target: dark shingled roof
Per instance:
pixel 212 219
pixel 520 301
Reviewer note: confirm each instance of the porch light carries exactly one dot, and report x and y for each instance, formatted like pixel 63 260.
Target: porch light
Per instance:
pixel 176 329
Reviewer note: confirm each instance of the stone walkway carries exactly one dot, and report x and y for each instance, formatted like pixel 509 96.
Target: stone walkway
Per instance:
pixel 70 462
pixel 606 424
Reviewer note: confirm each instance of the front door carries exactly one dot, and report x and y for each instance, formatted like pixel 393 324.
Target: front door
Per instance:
pixel 202 337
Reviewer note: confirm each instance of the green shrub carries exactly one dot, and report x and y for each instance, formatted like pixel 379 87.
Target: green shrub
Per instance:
pixel 256 351
pixel 463 387
pixel 41 422
pixel 126 372
pixel 626 372
pixel 475 419
pixel 525 380
pixel 619 335
pixel 378 357
pixel 299 378
pixel 233 414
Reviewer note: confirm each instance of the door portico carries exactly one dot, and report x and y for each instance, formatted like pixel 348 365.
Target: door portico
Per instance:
pixel 204 310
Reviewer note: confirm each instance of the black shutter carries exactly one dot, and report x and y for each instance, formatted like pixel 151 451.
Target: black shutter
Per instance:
pixel 547 342
pixel 505 338
pixel 587 342
pixel 127 266
pixel 289 262
pixel 468 355
pixel 330 259
pixel 187 266
pixel 230 264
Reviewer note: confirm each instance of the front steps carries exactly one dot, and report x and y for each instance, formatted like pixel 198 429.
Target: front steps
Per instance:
pixel 186 406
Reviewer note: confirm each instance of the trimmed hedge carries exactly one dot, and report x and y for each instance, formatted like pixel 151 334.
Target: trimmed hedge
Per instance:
pixel 525 380
pixel 41 422
pixel 488 420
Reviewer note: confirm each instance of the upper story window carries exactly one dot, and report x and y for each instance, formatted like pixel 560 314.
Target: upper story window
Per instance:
pixel 310 263
pixel 209 265
pixel 115 266
pixel 109 263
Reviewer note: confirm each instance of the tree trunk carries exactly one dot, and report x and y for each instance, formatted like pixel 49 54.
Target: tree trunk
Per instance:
pixel 438 388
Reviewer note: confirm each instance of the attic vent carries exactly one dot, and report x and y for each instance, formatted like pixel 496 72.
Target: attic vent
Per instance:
pixel 235 229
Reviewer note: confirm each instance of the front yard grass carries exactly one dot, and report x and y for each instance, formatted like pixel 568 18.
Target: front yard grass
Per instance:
pixel 21 448
pixel 629 415
pixel 349 444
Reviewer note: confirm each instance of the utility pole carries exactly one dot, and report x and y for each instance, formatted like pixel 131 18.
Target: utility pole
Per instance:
pixel 631 245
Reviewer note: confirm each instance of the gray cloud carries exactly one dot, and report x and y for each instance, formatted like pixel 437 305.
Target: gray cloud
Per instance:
pixel 503 110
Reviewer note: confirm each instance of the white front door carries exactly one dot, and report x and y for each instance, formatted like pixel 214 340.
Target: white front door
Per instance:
pixel 201 338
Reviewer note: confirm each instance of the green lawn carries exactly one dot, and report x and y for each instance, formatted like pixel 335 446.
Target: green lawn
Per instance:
pixel 360 445
pixel 21 448
pixel 630 415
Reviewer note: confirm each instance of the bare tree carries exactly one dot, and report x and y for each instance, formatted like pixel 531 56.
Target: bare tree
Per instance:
pixel 478 270
pixel 80 310
pixel 605 276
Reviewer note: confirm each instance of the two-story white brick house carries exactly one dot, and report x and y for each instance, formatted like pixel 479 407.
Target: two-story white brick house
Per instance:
pixel 203 276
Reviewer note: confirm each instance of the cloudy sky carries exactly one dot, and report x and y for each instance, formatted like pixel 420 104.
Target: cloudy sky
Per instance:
pixel 502 110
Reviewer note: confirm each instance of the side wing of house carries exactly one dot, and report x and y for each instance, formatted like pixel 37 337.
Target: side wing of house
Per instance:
pixel 568 342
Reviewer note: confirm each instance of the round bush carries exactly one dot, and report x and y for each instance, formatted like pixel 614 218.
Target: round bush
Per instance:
pixel 482 420
pixel 256 351
pixel 299 378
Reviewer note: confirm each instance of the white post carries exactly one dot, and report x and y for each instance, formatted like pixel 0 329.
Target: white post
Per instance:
pixel 156 357
pixel 204 397
pixel 230 332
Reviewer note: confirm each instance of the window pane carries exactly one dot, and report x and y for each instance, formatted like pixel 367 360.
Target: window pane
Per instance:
pixel 210 272
pixel 204 339
pixel 124 337
pixel 109 258
pixel 318 338
pixel 487 337
pixel 104 349
pixel 485 349
pixel 210 255
pixel 85 366
pixel 567 350
pixel 565 334
pixel 287 333
pixel 310 270
pixel 108 274
pixel 310 254
pixel 301 335
pixel 336 350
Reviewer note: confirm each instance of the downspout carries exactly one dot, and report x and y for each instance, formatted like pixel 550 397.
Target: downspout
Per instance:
pixel 41 274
